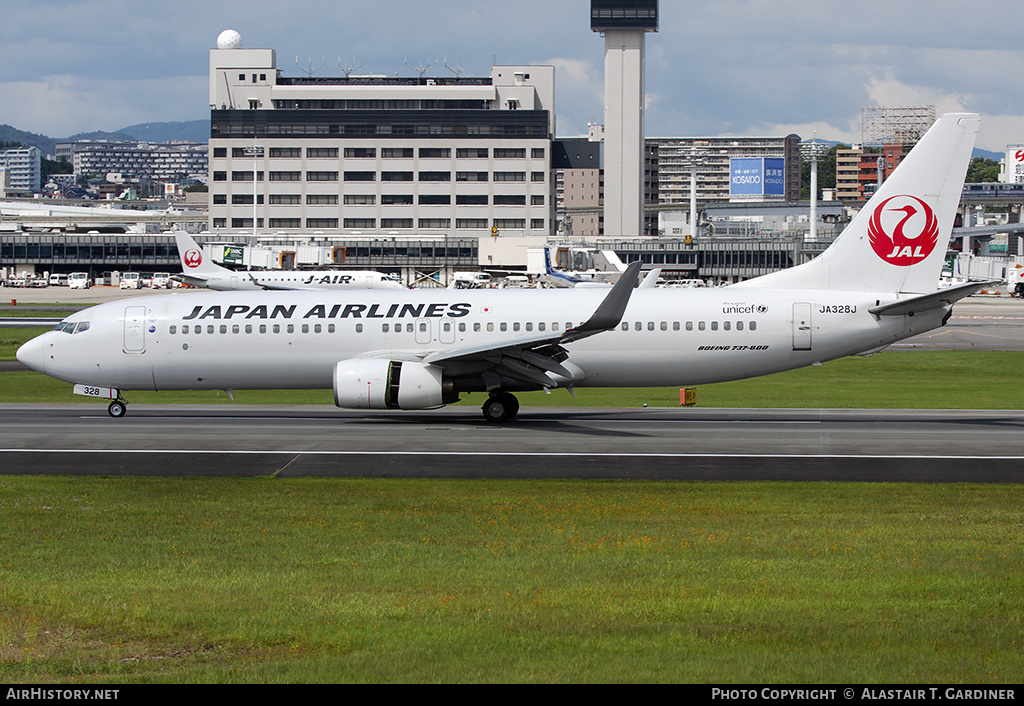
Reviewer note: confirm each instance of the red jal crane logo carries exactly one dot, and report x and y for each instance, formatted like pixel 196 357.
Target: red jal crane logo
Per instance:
pixel 193 258
pixel 903 230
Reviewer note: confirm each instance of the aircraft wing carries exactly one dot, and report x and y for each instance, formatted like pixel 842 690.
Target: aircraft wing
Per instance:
pixel 532 359
pixel 926 302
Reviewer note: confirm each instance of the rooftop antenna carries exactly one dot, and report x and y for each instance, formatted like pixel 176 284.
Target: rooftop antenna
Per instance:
pixel 308 68
pixel 421 69
pixel 457 69
pixel 348 69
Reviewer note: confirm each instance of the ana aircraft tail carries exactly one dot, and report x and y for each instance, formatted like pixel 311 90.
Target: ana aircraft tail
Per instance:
pixel 898 241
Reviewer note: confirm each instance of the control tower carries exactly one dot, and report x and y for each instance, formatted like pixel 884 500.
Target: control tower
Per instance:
pixel 624 24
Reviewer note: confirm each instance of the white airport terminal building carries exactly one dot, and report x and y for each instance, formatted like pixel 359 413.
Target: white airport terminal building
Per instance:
pixel 377 154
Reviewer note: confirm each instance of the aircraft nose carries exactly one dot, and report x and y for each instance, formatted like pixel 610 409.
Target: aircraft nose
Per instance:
pixel 33 354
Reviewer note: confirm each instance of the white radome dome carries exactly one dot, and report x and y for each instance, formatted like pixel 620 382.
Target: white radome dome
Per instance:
pixel 229 39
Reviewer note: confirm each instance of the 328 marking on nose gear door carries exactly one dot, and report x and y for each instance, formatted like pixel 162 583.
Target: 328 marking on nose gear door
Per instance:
pixel 90 391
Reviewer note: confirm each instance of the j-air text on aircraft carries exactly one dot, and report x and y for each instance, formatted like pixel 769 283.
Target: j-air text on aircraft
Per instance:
pixel 198 271
pixel 378 349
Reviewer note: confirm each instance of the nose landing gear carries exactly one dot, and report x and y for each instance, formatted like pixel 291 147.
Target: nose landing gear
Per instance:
pixel 117 408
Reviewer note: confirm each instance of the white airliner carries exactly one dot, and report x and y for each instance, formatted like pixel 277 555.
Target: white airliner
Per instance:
pixel 199 271
pixel 875 285
pixel 568 277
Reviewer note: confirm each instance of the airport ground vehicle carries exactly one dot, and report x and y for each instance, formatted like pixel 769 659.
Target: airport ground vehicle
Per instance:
pixel 131 280
pixel 79 280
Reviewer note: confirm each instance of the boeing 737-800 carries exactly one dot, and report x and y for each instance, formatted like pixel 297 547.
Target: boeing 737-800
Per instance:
pixel 876 284
pixel 199 271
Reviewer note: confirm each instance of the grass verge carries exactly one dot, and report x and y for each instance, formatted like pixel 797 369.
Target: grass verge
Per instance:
pixel 237 580
pixel 898 380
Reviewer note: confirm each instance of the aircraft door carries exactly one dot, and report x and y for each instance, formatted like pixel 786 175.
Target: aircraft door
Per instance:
pixel 423 331
pixel 234 282
pixel 135 329
pixel 801 326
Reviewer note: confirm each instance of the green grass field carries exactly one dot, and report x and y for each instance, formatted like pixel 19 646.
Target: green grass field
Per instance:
pixel 268 580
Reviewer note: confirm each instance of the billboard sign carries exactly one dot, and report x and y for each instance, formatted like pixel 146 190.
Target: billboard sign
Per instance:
pixel 233 255
pixel 1015 164
pixel 757 178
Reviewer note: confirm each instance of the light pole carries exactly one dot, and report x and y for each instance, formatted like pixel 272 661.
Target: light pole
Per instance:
pixel 816 150
pixel 694 158
pixel 256 151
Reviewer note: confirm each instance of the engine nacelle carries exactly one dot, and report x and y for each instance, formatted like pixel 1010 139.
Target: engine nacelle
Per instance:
pixel 378 383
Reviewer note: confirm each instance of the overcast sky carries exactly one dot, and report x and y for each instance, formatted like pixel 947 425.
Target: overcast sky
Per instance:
pixel 716 67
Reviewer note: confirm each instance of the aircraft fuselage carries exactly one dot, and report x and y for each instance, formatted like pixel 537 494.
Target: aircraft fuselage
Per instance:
pixel 271 340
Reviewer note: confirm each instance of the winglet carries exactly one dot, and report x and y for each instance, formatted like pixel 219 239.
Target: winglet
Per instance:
pixel 608 315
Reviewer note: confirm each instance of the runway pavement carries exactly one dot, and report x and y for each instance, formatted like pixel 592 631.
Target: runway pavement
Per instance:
pixel 653 444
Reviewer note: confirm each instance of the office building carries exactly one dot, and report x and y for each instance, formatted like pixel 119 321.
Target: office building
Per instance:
pixel 712 156
pixel 374 154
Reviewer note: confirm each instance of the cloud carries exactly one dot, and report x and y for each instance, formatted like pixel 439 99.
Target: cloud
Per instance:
pixel 63 105
pixel 579 95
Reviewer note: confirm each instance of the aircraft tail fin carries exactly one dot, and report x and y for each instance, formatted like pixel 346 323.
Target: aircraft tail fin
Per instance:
pixel 898 241
pixel 194 262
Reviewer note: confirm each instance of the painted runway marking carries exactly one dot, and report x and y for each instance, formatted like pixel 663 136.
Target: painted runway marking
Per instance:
pixel 504 454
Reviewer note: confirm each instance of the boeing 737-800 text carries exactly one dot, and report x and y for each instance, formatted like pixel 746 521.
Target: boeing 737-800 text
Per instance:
pixel 876 284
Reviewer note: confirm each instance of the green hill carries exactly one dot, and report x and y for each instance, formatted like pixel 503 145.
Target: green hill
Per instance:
pixel 189 131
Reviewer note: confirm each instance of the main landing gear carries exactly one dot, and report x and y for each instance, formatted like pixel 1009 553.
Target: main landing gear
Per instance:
pixel 500 407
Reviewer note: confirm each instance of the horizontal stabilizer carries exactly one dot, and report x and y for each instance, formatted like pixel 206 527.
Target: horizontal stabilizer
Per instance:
pixel 927 302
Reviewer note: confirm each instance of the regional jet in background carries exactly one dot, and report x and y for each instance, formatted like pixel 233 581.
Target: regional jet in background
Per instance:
pixel 576 267
pixel 422 349
pixel 198 270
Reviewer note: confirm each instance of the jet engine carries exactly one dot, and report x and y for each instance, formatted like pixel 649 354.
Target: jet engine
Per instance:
pixel 378 383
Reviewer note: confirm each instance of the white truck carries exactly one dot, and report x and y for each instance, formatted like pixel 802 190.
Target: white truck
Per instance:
pixel 79 280
pixel 470 280
pixel 131 280
pixel 1015 281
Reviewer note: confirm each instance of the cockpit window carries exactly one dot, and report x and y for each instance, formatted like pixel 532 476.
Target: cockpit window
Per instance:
pixel 72 326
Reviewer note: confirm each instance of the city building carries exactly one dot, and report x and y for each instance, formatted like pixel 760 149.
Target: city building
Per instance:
pixel 712 157
pixel 374 154
pixel 580 186
pixel 24 169
pixel 171 162
pixel 858 169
